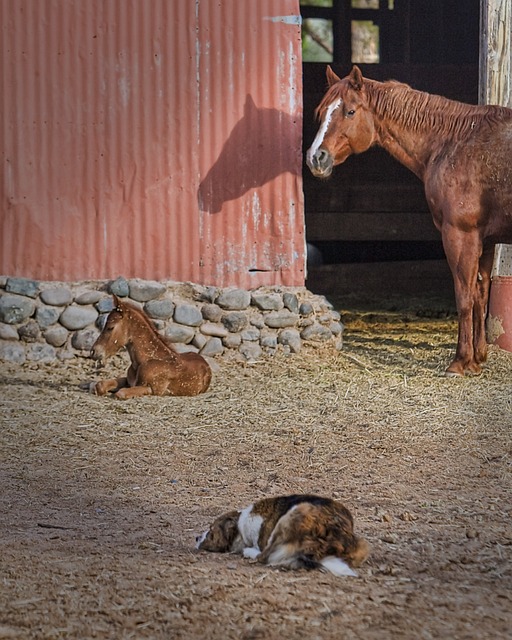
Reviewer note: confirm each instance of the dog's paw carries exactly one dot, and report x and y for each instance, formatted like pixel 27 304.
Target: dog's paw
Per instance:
pixel 251 552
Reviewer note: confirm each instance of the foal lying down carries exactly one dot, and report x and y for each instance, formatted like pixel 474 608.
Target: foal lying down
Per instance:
pixel 295 532
pixel 156 368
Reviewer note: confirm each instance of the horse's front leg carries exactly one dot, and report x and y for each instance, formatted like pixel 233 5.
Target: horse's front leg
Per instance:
pixel 112 385
pixel 133 392
pixel 463 252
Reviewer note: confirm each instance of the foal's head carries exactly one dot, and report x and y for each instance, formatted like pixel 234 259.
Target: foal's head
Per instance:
pixel 115 334
pixel 346 125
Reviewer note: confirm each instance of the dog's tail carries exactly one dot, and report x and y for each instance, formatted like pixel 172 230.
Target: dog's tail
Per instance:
pixel 332 564
pixel 336 566
pixel 281 555
pixel 352 557
pixel 358 553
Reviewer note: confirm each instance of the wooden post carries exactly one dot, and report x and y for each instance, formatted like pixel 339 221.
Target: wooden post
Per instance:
pixel 495 52
pixel 495 81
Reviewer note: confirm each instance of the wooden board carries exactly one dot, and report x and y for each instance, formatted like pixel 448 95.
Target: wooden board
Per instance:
pixel 324 226
pixel 405 278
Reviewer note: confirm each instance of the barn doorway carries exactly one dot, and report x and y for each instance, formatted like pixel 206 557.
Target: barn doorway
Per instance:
pixel 368 228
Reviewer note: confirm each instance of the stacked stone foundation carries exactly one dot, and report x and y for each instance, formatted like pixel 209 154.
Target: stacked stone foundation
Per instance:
pixel 45 321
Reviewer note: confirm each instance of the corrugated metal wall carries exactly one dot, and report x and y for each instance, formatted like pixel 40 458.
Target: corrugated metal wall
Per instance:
pixel 157 139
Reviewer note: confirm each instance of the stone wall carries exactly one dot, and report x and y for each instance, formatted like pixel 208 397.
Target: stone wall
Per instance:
pixel 44 321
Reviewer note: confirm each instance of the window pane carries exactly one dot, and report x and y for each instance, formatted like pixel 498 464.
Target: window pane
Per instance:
pixel 370 4
pixel 317 40
pixel 365 4
pixel 316 3
pixel 365 42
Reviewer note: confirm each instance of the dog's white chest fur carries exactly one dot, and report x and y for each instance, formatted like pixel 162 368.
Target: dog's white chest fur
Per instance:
pixel 249 526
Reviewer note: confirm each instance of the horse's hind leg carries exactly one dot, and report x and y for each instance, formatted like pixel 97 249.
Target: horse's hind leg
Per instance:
pixel 462 252
pixel 480 304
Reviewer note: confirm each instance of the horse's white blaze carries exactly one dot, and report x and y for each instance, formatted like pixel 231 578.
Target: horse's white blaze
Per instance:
pixel 317 142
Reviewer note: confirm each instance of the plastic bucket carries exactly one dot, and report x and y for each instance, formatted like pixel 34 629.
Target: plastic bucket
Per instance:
pixel 499 316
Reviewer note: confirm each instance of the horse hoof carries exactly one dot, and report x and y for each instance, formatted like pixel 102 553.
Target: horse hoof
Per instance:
pixel 458 367
pixel 453 374
pixel 474 370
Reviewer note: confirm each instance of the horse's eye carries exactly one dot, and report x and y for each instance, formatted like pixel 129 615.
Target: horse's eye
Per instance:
pixel 350 113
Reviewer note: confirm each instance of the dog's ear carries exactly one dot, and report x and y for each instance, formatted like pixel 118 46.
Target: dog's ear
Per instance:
pixel 230 527
pixel 222 534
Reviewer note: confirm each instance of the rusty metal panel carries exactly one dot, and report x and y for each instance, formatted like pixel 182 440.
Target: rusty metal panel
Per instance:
pixel 158 139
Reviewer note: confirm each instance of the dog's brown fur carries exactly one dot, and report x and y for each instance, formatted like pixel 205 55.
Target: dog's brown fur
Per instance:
pixel 315 532
pixel 296 531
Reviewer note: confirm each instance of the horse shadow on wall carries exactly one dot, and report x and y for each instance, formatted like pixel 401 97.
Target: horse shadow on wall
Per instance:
pixel 261 146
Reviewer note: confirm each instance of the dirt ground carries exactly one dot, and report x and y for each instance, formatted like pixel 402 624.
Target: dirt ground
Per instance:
pixel 101 500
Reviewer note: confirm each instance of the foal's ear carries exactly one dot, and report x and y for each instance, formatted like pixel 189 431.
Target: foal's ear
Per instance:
pixel 117 302
pixel 332 78
pixel 356 78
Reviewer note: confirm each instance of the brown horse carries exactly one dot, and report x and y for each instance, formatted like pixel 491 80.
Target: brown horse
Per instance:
pixel 463 155
pixel 156 369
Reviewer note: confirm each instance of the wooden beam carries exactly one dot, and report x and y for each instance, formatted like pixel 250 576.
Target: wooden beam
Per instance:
pixel 372 279
pixel 371 225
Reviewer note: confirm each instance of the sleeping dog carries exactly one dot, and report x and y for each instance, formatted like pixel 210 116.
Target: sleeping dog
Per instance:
pixel 297 531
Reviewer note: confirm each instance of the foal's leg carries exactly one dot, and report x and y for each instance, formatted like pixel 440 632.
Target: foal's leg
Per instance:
pixel 111 385
pixel 133 392
pixel 139 384
pixel 480 305
pixel 463 252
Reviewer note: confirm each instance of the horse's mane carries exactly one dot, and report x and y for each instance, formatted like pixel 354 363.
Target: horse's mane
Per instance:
pixel 418 110
pixel 147 322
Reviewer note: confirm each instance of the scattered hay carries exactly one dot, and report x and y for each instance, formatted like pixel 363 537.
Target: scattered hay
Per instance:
pixel 101 499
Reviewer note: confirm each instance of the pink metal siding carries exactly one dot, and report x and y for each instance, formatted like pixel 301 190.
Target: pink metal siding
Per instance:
pixel 157 139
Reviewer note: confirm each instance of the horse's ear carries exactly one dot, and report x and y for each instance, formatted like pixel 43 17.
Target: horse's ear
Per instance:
pixel 249 106
pixel 332 78
pixel 117 302
pixel 356 78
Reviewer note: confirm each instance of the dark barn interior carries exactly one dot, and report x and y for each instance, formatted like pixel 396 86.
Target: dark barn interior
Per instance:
pixel 368 228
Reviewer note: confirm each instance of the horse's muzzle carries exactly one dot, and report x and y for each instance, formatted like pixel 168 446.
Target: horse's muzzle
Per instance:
pixel 320 163
pixel 97 353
